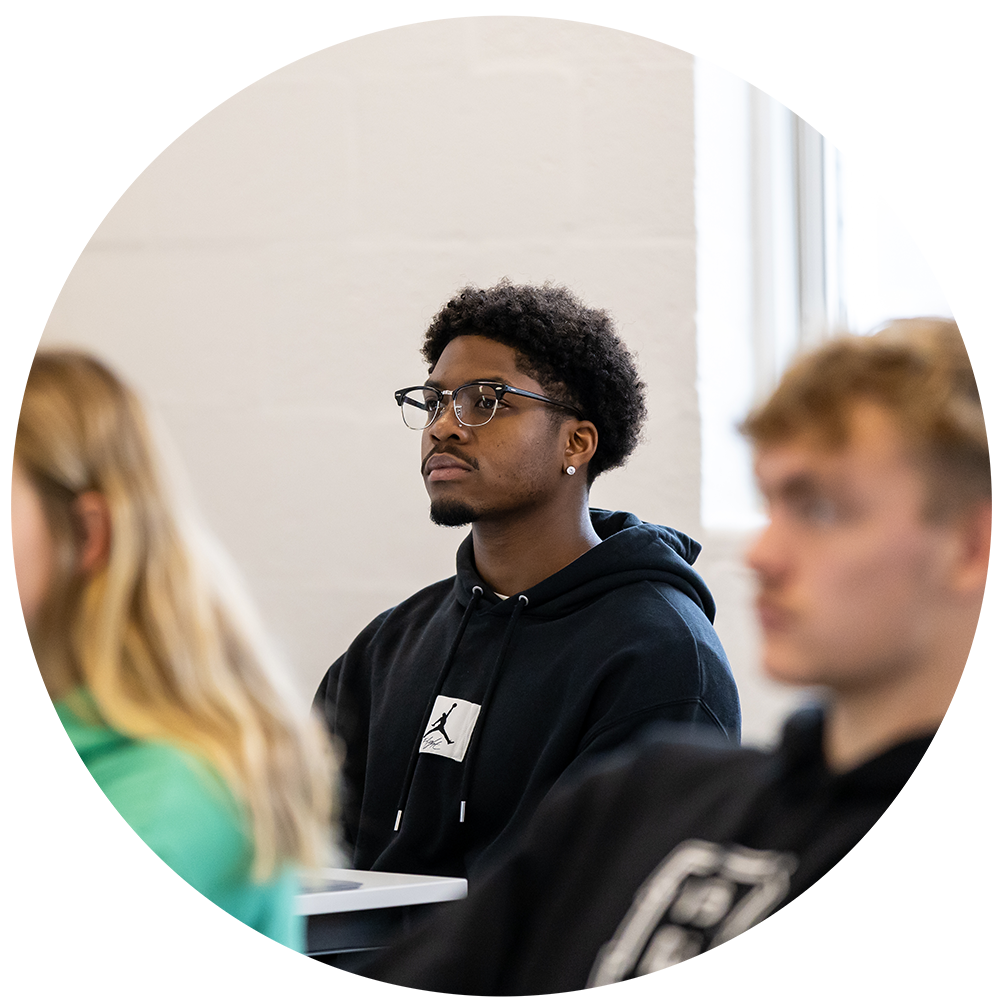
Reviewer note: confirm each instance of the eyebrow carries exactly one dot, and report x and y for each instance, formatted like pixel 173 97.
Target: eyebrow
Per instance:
pixel 808 485
pixel 798 486
pixel 495 379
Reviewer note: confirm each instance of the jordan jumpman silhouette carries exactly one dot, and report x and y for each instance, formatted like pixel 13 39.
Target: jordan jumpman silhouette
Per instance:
pixel 438 726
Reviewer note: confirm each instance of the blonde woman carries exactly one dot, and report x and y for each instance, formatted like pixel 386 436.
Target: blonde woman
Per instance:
pixel 165 695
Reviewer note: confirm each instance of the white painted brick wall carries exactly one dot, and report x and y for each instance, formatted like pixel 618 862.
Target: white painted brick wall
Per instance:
pixel 266 282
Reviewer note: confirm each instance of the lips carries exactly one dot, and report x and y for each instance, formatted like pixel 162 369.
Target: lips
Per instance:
pixel 772 616
pixel 442 468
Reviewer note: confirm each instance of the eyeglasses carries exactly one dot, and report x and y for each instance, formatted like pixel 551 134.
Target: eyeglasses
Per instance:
pixel 475 403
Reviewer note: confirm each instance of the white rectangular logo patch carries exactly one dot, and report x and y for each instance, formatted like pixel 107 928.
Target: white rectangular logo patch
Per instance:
pixel 699 896
pixel 450 727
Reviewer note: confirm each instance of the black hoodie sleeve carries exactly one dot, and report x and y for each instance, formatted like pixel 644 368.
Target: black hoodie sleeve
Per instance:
pixel 343 699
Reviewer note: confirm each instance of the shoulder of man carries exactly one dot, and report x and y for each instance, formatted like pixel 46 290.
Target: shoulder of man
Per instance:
pixel 592 837
pixel 662 763
pixel 389 624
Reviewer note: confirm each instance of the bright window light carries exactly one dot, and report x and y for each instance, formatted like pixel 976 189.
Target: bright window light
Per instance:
pixel 908 167
pixel 793 243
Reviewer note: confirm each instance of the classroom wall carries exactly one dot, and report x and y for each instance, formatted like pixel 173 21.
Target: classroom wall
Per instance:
pixel 266 281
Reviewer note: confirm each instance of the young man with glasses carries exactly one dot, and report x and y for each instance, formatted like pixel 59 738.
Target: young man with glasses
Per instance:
pixel 565 630
pixel 873 461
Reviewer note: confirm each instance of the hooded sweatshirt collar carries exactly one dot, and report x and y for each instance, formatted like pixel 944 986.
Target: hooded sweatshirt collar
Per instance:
pixel 802 763
pixel 631 550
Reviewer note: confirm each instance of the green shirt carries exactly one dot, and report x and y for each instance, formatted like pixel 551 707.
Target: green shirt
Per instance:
pixel 130 860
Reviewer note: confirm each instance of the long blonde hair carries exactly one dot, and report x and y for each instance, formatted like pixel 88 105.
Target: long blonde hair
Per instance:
pixel 162 652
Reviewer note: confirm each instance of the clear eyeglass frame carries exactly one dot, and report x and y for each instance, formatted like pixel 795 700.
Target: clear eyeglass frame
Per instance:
pixel 475 403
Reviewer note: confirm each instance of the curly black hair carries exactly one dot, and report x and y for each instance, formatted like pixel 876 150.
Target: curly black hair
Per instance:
pixel 570 349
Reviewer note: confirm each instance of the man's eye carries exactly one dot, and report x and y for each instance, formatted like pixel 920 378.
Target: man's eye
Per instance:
pixel 487 402
pixel 818 510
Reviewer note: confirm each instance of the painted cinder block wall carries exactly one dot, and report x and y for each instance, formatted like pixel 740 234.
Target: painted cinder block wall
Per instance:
pixel 254 219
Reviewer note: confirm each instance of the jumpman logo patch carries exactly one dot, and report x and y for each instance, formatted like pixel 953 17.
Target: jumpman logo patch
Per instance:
pixel 450 727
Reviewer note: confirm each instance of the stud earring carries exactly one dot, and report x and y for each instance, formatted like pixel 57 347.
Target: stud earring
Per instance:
pixel 571 470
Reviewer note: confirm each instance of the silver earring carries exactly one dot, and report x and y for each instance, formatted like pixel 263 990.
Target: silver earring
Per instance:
pixel 571 470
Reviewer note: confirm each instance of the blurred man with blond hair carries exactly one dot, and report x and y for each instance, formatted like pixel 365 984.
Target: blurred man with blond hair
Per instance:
pixel 872 459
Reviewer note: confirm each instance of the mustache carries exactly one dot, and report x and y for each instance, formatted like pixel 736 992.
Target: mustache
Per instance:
pixel 454 452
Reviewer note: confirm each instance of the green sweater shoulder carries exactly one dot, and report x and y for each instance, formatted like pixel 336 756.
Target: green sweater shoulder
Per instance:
pixel 130 859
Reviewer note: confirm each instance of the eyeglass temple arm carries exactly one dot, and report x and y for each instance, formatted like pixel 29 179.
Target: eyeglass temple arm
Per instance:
pixel 502 389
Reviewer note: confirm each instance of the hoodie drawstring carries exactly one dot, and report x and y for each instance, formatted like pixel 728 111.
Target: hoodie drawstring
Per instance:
pixel 477 592
pixel 522 603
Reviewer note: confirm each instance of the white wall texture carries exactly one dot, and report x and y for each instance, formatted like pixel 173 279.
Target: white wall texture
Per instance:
pixel 266 281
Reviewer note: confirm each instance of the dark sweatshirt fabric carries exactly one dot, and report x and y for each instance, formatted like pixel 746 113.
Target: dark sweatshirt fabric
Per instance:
pixel 458 710
pixel 654 857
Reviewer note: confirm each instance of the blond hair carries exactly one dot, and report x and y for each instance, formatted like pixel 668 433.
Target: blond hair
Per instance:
pixel 151 636
pixel 918 370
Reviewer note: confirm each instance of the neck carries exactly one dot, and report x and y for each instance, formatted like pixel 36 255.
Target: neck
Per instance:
pixel 514 554
pixel 35 679
pixel 867 721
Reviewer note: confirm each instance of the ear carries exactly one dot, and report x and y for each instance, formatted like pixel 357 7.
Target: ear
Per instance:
pixel 974 529
pixel 93 517
pixel 581 443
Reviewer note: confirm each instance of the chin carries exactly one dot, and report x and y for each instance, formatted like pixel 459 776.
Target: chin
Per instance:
pixel 452 513
pixel 785 666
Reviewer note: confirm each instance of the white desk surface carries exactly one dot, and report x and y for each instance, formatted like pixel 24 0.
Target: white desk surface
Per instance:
pixel 377 891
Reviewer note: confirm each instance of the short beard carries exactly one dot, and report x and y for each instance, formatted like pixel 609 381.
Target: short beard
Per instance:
pixel 452 513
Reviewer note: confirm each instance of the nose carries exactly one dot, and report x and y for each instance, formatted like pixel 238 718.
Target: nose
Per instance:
pixel 446 424
pixel 764 556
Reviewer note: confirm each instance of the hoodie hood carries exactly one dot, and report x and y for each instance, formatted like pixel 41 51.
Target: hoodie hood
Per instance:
pixel 631 551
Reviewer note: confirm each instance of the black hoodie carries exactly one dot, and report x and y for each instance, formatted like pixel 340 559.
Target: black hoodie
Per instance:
pixel 459 710
pixel 659 854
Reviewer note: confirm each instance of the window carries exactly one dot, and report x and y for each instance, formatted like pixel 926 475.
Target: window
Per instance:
pixel 842 177
pixel 907 130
